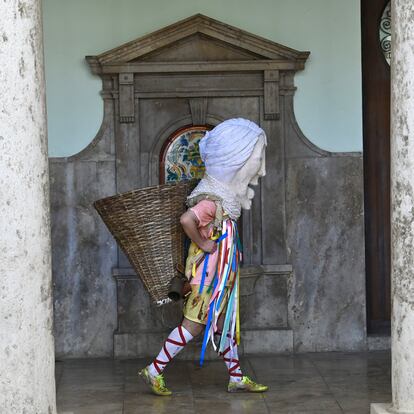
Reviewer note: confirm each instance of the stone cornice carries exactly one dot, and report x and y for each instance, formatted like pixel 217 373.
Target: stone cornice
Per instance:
pixel 266 54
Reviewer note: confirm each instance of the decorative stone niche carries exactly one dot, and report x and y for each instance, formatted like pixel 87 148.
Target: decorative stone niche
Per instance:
pixel 197 73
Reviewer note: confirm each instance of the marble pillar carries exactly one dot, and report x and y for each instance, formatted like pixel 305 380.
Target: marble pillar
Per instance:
pixel 402 210
pixel 27 382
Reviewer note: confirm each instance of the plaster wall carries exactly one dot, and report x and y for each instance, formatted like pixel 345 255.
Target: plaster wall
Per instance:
pixel 328 104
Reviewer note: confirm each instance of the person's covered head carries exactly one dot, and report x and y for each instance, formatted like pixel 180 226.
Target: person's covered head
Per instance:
pixel 226 149
pixel 234 154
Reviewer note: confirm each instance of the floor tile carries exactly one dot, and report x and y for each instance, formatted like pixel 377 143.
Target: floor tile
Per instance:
pixel 313 383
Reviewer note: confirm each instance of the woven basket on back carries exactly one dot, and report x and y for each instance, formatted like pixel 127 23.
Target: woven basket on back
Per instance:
pixel 146 224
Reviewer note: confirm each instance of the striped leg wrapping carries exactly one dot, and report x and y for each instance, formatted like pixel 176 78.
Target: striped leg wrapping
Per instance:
pixel 176 341
pixel 231 359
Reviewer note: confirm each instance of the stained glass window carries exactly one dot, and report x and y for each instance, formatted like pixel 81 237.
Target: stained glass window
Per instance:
pixel 181 156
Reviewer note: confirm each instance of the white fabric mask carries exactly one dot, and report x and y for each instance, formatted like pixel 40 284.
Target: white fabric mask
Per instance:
pixel 234 156
pixel 249 175
pixel 226 148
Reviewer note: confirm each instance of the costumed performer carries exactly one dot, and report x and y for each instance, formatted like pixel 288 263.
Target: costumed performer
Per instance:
pixel 233 153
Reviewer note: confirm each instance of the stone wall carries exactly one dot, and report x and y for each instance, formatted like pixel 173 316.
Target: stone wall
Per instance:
pixel 83 251
pixel 318 306
pixel 325 239
pixel 303 283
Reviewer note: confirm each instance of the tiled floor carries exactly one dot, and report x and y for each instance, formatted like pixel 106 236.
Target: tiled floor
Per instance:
pixel 318 383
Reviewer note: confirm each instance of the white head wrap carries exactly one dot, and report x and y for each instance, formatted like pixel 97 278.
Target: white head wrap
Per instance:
pixel 224 150
pixel 227 147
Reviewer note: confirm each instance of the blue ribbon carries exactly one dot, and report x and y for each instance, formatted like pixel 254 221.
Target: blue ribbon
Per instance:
pixel 207 329
pixel 227 318
pixel 222 237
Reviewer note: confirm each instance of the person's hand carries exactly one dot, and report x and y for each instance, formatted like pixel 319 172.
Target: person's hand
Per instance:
pixel 209 246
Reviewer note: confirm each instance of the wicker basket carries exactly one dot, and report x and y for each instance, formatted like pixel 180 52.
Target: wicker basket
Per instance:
pixel 146 224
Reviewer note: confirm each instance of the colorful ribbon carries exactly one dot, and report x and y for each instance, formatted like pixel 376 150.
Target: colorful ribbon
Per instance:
pixel 227 273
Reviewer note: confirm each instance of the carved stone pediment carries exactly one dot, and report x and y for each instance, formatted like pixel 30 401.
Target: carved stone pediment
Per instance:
pixel 198 39
pixel 199 47
pixel 198 44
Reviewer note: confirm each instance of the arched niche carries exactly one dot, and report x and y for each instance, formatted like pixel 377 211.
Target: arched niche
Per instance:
pixel 180 155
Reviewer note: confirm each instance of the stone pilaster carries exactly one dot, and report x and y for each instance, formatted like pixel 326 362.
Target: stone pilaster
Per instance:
pixel 27 383
pixel 402 210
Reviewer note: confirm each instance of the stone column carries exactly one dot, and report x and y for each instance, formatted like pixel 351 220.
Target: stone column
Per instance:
pixel 27 382
pixel 402 210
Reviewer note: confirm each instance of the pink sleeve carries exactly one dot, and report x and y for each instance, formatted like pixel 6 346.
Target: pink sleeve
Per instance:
pixel 205 211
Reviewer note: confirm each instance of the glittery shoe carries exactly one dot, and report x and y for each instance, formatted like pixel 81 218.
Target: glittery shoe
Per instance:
pixel 156 383
pixel 246 385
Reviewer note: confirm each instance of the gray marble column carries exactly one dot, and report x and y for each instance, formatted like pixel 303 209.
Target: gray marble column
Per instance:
pixel 402 210
pixel 27 382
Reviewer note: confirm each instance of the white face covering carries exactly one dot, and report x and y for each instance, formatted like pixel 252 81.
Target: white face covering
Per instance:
pixel 249 175
pixel 234 156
